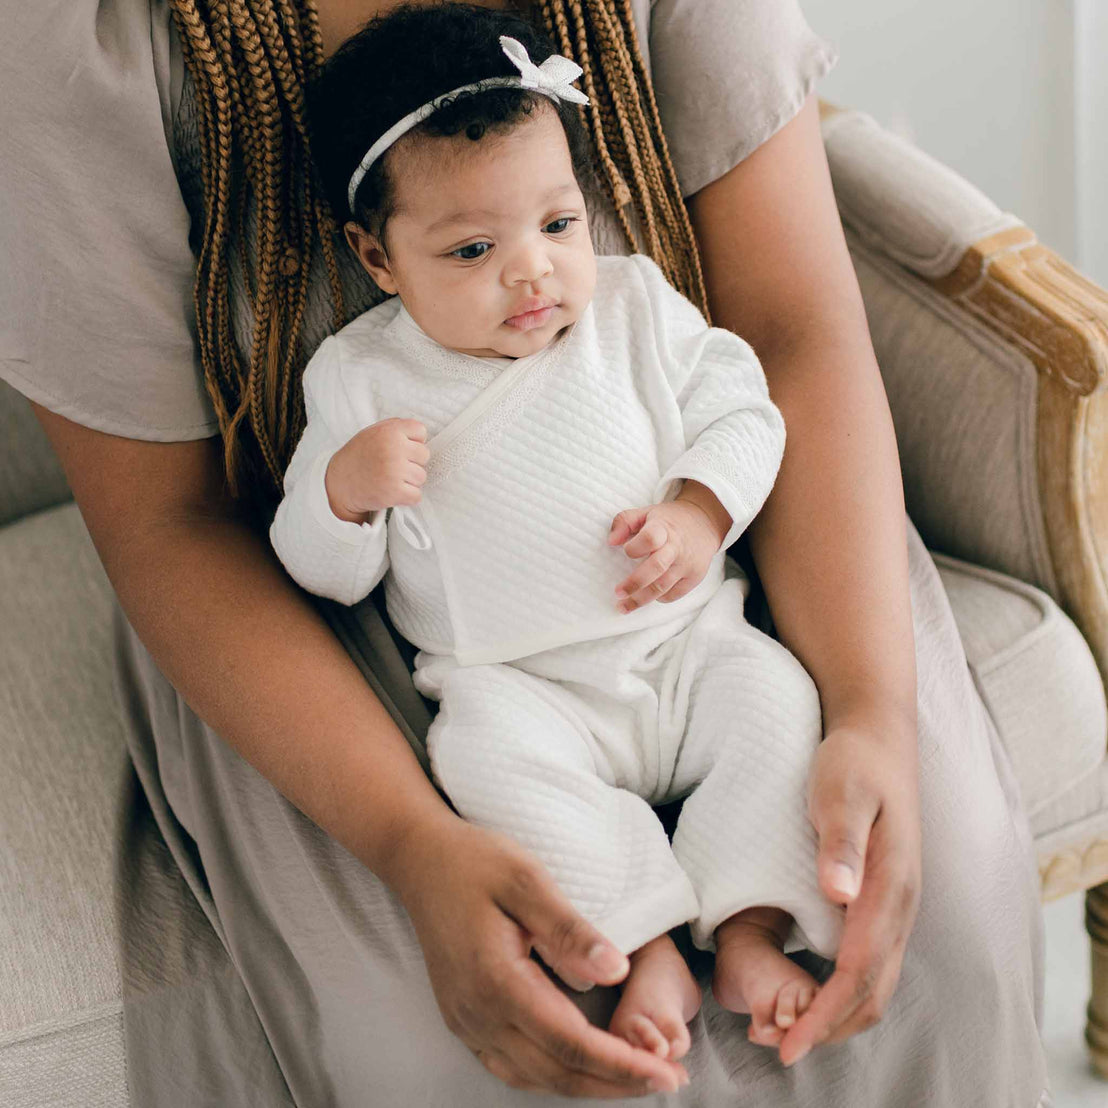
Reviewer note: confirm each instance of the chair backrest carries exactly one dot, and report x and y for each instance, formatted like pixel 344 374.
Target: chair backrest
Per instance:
pixel 994 354
pixel 30 476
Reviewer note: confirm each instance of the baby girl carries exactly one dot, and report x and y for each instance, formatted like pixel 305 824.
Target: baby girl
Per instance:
pixel 494 441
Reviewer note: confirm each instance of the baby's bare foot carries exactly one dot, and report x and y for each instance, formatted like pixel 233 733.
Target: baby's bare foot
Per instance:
pixel 658 999
pixel 753 975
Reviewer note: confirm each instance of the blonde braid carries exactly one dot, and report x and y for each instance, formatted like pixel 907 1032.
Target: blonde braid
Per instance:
pixel 213 99
pixel 250 61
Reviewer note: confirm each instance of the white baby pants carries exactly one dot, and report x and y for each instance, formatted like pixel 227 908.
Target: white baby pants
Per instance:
pixel 566 750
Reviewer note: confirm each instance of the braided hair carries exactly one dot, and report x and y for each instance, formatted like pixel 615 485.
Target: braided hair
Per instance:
pixel 251 62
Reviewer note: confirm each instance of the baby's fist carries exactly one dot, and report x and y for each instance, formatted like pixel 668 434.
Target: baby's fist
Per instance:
pixel 677 541
pixel 381 466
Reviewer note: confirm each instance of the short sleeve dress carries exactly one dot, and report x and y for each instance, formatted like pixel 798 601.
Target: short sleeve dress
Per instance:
pixel 262 964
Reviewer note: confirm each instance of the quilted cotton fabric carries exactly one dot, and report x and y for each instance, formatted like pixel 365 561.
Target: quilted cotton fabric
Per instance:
pixel 566 751
pixel 506 553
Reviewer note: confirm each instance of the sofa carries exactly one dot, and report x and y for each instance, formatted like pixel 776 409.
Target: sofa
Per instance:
pixel 994 354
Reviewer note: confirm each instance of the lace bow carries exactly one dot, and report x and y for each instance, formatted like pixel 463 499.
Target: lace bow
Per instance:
pixel 554 76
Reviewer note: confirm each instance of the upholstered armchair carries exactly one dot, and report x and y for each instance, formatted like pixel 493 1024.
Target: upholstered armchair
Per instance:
pixel 994 353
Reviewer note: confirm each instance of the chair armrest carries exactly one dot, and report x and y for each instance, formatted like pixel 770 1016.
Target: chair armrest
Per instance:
pixel 994 353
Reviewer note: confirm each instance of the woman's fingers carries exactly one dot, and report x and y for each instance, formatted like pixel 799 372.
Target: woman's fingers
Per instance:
pixel 876 932
pixel 871 951
pixel 480 905
pixel 843 807
pixel 866 814
pixel 866 972
pixel 576 951
pixel 520 1064
pixel 564 1050
pixel 564 939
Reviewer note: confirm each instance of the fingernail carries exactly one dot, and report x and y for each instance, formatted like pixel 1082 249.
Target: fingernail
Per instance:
pixel 802 1054
pixel 578 985
pixel 607 959
pixel 621 593
pixel 844 879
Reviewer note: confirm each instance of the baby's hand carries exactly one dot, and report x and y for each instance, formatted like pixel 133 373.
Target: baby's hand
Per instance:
pixel 678 540
pixel 383 465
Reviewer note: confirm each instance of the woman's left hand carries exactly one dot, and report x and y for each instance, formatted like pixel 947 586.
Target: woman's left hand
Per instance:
pixel 863 798
pixel 676 538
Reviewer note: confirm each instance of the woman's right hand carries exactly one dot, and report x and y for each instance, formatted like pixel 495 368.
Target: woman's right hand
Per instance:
pixel 381 466
pixel 479 904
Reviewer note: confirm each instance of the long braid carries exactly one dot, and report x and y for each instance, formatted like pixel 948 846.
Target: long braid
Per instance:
pixel 250 61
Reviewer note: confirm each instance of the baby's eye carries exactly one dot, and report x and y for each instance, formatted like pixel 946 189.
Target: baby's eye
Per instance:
pixel 559 225
pixel 459 253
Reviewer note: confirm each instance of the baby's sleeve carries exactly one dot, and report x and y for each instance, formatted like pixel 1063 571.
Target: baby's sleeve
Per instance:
pixel 734 433
pixel 326 555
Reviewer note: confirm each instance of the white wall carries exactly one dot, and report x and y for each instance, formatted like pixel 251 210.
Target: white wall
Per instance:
pixel 1013 94
pixel 1091 27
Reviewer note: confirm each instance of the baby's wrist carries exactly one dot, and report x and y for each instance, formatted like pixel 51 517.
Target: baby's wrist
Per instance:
pixel 693 492
pixel 333 486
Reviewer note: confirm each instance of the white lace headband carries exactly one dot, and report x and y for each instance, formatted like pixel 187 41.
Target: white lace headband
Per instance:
pixel 553 78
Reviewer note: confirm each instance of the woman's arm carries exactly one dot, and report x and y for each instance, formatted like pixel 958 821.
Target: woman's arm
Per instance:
pixel 250 654
pixel 830 543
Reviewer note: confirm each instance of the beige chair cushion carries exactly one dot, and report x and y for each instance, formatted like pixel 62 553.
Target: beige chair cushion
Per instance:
pixel 61 1026
pixel 1036 676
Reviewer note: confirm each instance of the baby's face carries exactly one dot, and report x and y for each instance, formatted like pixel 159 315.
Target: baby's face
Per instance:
pixel 489 248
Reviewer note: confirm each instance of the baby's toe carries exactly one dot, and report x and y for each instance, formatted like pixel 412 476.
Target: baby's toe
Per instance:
pixel 788 1004
pixel 678 1037
pixel 763 1030
pixel 649 1036
pixel 764 1034
pixel 804 998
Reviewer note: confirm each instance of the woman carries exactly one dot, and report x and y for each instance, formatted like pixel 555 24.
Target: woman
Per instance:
pixel 349 973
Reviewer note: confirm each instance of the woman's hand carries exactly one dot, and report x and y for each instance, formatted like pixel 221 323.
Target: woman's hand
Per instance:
pixel 677 539
pixel 863 800
pixel 479 904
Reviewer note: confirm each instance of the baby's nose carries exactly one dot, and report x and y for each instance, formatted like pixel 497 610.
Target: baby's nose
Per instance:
pixel 532 263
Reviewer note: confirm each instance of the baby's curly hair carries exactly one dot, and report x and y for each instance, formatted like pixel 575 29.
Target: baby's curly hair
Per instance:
pixel 400 61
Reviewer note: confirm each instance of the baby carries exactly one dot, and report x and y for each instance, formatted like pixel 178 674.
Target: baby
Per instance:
pixel 494 442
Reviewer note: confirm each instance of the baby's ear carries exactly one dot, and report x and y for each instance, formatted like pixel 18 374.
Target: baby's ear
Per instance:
pixel 371 254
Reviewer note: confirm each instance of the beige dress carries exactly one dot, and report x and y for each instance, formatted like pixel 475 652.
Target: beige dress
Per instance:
pixel 262 964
